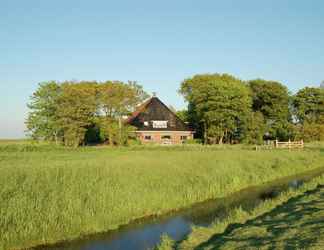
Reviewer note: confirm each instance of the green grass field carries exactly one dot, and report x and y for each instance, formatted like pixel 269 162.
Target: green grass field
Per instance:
pixel 294 220
pixel 297 224
pixel 48 194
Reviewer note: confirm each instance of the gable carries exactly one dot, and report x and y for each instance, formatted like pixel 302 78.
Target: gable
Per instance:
pixel 155 115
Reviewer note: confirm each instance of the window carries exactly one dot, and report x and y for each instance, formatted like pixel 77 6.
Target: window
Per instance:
pixel 160 124
pixel 183 137
pixel 147 137
pixel 166 137
pixel 146 124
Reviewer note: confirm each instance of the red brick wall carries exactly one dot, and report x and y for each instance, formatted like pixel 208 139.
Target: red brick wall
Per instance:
pixel 156 136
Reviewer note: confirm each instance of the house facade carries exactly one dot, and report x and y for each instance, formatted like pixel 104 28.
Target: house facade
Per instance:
pixel 156 123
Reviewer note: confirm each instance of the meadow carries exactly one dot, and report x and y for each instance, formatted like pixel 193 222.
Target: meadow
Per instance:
pixel 50 193
pixel 293 220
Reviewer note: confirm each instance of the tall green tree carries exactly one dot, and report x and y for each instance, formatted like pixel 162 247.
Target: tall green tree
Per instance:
pixel 76 112
pixel 309 105
pixel 118 99
pixel 77 107
pixel 256 128
pixel 272 100
pixel 221 105
pixel 42 121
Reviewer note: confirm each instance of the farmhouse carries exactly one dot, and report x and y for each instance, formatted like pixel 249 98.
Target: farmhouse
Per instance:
pixel 156 123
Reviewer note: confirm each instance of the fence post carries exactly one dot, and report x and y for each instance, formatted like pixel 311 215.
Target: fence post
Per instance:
pixel 289 144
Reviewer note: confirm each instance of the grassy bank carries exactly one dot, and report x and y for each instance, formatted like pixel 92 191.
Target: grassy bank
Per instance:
pixel 293 220
pixel 50 194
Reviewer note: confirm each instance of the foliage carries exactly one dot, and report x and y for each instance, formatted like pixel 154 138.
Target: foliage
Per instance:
pixel 78 112
pixel 272 100
pixel 221 102
pixel 118 99
pixel 114 132
pixel 183 115
pixel 47 196
pixel 256 128
pixel 309 105
pixel 42 120
pixel 166 243
pixel 311 132
pixel 221 108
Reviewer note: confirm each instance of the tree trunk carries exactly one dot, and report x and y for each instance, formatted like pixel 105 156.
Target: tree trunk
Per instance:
pixel 120 130
pixel 56 138
pixel 205 133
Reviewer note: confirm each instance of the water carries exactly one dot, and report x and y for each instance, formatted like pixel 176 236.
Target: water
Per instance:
pixel 146 233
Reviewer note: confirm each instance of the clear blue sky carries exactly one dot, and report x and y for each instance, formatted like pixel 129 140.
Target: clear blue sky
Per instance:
pixel 157 43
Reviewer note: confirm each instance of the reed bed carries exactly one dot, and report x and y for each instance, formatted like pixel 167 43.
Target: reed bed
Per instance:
pixel 49 194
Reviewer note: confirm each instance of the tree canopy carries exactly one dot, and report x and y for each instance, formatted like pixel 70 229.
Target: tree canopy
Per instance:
pixel 221 109
pixel 70 111
pixel 221 103
pixel 309 104
pixel 42 121
pixel 272 100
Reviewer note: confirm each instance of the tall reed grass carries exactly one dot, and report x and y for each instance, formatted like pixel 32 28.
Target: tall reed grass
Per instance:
pixel 51 194
pixel 288 213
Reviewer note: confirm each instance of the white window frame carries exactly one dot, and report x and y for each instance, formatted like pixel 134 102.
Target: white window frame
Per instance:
pixel 160 124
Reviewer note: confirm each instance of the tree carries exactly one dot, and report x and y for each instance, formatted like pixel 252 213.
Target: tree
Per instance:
pixel 42 120
pixel 221 104
pixel 111 131
pixel 309 105
pixel 312 132
pixel 116 100
pixel 77 112
pixel 272 100
pixel 76 109
pixel 183 115
pixel 256 128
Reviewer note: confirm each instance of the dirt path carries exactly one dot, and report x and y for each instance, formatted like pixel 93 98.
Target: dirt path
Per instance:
pixel 297 224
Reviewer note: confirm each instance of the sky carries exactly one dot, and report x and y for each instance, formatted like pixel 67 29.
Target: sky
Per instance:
pixel 157 43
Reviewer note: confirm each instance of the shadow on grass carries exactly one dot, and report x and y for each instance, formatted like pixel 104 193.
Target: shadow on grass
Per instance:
pixel 296 224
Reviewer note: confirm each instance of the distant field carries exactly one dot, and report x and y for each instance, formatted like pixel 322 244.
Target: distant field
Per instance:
pixel 52 193
pixel 13 141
